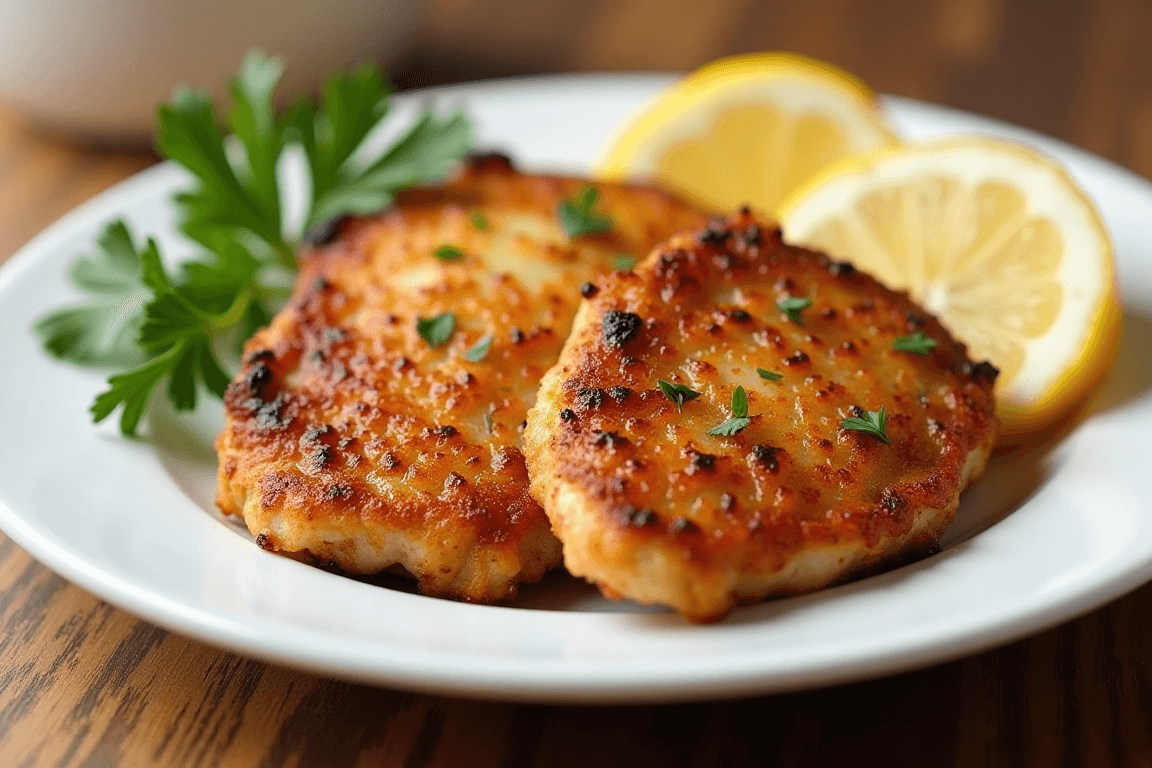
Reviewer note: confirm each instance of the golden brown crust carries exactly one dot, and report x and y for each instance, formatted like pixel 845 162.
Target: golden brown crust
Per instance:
pixel 652 507
pixel 350 437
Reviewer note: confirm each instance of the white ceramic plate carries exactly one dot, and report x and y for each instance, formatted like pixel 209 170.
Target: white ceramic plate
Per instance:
pixel 1047 535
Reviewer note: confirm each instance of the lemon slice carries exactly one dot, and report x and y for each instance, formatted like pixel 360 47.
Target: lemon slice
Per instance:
pixel 997 241
pixel 748 129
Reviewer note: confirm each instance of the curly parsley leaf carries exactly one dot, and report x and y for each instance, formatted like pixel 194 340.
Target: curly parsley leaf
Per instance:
pixel 919 343
pixel 425 154
pixel 793 306
pixel 103 330
pixel 677 393
pixel 739 419
pixel 177 336
pixel 233 211
pixel 869 423
pixel 188 134
pixel 769 375
pixel 579 217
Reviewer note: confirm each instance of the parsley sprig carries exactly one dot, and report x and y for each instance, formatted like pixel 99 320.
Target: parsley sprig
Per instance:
pixel 677 393
pixel 919 343
pixel 870 423
pixel 172 326
pixel 579 216
pixel 436 330
pixel 793 306
pixel 739 419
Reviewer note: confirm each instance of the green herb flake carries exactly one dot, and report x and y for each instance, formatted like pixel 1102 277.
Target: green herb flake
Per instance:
pixel 918 343
pixel 578 217
pixel 677 393
pixel 870 424
pixel 739 419
pixel 448 253
pixel 769 375
pixel 436 330
pixel 479 221
pixel 480 350
pixel 488 421
pixel 623 262
pixel 793 306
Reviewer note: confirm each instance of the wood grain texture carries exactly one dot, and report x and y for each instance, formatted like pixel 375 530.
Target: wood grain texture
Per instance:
pixel 84 684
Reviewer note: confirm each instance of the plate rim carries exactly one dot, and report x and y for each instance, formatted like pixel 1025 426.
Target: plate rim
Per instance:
pixel 187 621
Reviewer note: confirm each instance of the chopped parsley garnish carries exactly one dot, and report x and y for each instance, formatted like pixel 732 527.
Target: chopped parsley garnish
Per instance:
pixel 793 306
pixel 448 253
pixel 623 262
pixel 917 342
pixel 739 419
pixel 579 217
pixel 488 421
pixel 436 330
pixel 480 350
pixel 479 221
pixel 677 393
pixel 769 375
pixel 870 424
pixel 169 326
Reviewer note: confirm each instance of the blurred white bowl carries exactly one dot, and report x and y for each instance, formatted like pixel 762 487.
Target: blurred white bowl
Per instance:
pixel 98 68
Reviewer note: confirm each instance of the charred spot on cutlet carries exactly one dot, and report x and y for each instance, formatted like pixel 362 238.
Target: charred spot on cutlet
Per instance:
pixel 590 397
pixel 444 430
pixel 567 414
pixel 768 456
pixel 619 394
pixel 841 268
pixel 607 439
pixel 256 377
pixel 982 371
pixel 796 358
pixel 703 460
pixel 751 236
pixel 618 328
pixel 318 458
pixel 637 518
pixel 259 355
pixel 335 492
pixel 716 233
pixel 588 290
pixel 268 414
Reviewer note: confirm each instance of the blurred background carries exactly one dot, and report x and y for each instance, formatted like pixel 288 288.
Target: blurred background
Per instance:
pixel 77 79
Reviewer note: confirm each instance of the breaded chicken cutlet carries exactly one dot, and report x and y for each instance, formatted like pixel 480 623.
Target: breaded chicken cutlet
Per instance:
pixel 678 495
pixel 377 421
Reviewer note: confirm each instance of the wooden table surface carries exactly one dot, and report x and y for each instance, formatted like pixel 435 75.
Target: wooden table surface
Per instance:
pixel 85 684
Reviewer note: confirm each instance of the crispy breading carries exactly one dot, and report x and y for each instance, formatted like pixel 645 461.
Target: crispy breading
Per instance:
pixel 651 507
pixel 352 438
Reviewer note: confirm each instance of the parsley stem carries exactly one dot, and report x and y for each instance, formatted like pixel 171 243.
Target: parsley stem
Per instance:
pixel 234 313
